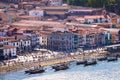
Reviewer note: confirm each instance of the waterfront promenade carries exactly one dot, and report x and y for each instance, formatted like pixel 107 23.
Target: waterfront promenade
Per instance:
pixel 18 64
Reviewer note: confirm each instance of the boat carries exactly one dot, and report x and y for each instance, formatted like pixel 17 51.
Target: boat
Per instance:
pixel 27 71
pixel 90 62
pixel 102 58
pixel 118 55
pixel 81 62
pixel 53 67
pixel 112 59
pixel 35 70
pixel 60 67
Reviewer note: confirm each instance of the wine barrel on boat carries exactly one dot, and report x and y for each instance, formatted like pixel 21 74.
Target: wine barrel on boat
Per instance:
pixel 35 70
pixel 61 66
pixel 90 62
pixel 81 62
pixel 112 58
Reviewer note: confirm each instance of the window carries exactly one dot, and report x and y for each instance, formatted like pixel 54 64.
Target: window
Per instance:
pixel 7 43
pixel 17 43
pixel 28 42
pixel 25 42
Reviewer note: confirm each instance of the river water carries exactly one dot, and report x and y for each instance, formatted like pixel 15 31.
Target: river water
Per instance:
pixel 102 71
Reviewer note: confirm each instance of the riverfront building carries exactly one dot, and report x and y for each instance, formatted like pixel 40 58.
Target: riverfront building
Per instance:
pixel 62 41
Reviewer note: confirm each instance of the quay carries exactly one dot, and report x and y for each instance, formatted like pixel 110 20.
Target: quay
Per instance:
pixel 48 62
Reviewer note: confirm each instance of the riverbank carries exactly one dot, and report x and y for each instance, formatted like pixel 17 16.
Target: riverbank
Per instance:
pixel 47 62
pixel 101 71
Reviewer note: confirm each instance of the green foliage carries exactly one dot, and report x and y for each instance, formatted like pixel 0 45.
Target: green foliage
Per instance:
pixel 92 3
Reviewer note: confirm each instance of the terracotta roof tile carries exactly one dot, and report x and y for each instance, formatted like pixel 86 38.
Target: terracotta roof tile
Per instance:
pixel 8 47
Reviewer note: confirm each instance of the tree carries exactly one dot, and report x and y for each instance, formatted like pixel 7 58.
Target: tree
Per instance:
pixel 92 3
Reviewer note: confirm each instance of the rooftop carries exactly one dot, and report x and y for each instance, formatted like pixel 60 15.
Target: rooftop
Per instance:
pixel 112 30
pixel 94 16
pixel 56 12
pixel 36 25
pixel 54 7
pixel 8 47
pixel 81 25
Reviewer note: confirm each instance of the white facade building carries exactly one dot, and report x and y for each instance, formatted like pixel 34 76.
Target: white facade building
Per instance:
pixel 44 39
pixel 3 40
pixel 37 13
pixel 21 43
pixel 118 20
pixel 55 2
pixel 113 34
pixel 96 19
pixel 9 51
pixel 35 38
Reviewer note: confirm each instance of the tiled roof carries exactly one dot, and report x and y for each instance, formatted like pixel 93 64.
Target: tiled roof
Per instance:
pixel 94 17
pixel 18 38
pixel 8 47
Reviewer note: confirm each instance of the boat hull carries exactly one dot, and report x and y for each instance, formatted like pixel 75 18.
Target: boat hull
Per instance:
pixel 90 63
pixel 80 62
pixel 60 67
pixel 112 59
pixel 102 59
pixel 34 72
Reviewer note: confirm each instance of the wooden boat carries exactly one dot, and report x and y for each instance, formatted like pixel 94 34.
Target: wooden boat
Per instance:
pixel 35 70
pixel 60 67
pixel 54 66
pixel 118 55
pixel 27 71
pixel 81 62
pixel 103 58
pixel 90 62
pixel 112 59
